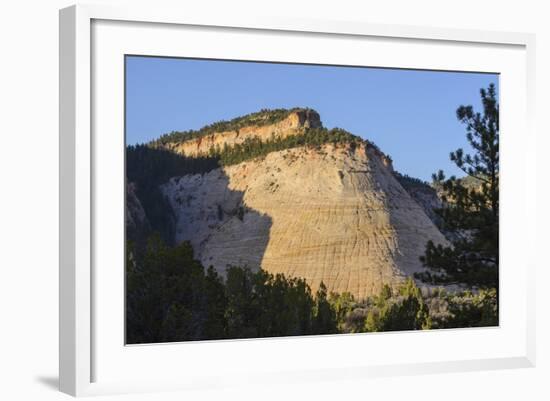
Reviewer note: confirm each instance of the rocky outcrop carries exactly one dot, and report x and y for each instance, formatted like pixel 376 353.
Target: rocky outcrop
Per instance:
pixel 335 214
pixel 424 194
pixel 137 224
pixel 293 124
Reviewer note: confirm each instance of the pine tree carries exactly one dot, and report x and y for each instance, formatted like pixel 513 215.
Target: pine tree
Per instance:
pixel 325 317
pixel 471 204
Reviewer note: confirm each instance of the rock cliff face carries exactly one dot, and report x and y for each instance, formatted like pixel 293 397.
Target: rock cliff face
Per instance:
pixel 334 214
pixel 293 124
pixel 137 224
pixel 424 194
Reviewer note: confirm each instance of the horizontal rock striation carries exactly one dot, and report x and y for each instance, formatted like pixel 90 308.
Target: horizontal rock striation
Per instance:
pixel 334 214
pixel 137 224
pixel 295 123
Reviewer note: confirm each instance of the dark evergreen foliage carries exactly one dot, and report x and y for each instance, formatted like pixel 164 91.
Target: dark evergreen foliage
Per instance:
pixel 471 211
pixel 258 119
pixel 148 168
pixel 252 148
pixel 409 182
pixel 170 297
pixel 167 296
pixel 325 317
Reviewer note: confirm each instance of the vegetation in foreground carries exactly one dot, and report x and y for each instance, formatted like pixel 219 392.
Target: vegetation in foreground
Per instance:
pixel 172 297
pixel 470 211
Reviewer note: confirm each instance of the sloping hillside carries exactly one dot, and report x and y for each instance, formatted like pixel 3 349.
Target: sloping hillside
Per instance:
pixel 330 212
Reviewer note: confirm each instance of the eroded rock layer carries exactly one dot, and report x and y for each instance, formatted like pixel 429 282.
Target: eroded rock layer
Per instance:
pixel 293 124
pixel 334 214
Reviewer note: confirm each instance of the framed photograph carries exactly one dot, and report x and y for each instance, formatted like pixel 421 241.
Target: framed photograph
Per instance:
pixel 294 199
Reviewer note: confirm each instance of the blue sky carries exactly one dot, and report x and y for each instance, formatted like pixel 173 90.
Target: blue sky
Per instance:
pixel 409 114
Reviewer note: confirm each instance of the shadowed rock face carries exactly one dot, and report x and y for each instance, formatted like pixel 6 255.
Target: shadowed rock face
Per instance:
pixel 334 215
pixel 137 224
pixel 213 216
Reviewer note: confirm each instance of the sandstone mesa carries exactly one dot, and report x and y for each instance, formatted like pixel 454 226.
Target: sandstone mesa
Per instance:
pixel 334 214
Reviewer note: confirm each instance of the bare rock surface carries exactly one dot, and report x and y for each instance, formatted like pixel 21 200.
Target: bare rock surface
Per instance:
pixel 137 224
pixel 293 124
pixel 334 214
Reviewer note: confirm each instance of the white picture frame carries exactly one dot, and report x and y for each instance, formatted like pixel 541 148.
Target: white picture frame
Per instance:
pixel 82 346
